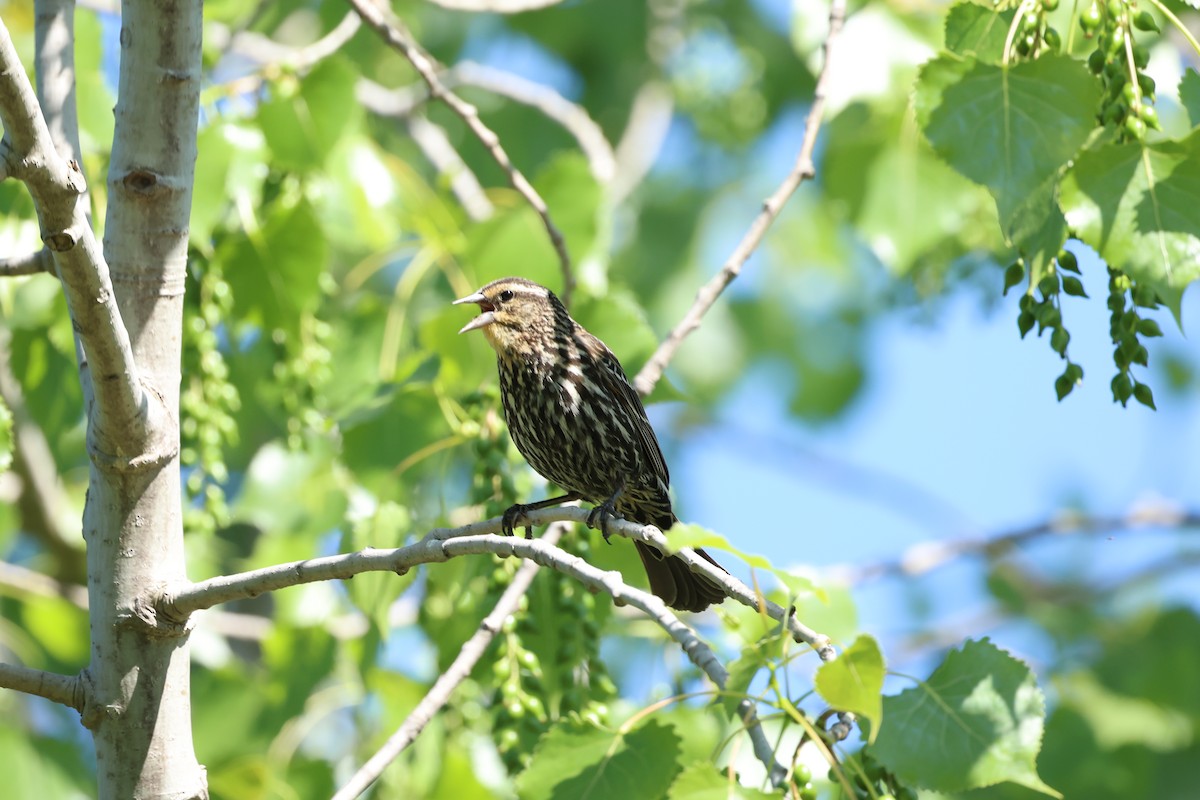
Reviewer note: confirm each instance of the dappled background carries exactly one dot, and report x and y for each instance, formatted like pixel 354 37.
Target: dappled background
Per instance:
pixel 861 390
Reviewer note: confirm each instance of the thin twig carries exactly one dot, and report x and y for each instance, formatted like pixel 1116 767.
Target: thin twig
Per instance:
pixel 64 689
pixel 573 117
pixel 27 264
pixel 802 171
pixel 396 35
pixel 925 557
pixel 436 146
pixel 448 681
pixel 43 502
pixel 270 54
pixel 496 6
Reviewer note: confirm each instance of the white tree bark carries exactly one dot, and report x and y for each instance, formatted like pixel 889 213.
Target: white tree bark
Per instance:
pixel 133 520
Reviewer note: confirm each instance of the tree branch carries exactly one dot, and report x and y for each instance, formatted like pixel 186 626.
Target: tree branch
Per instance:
pixel 496 6
pixel 27 153
pixel 43 502
pixel 396 35
pixel 436 146
pixel 172 605
pixel 27 264
pixel 925 557
pixel 65 689
pixel 448 681
pixel 270 53
pixel 802 171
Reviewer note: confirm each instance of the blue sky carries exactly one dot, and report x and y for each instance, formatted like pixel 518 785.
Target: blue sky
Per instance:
pixel 958 433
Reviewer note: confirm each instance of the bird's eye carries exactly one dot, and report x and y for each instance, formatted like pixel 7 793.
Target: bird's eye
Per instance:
pixel 506 295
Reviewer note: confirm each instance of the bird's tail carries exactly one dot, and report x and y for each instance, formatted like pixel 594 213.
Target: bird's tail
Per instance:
pixel 679 587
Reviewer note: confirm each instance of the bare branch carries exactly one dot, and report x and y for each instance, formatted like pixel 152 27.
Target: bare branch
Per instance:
pixel 65 689
pixel 43 501
pixel 271 54
pixel 432 140
pixel 496 6
pixel 572 116
pixel 802 171
pixel 398 37
pixel 27 581
pixel 27 264
pixel 448 681
pixel 54 34
pixel 173 605
pixel 649 122
pixel 925 557
pixel 28 153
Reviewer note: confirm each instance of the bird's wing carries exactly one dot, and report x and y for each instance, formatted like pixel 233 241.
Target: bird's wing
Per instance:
pixel 617 386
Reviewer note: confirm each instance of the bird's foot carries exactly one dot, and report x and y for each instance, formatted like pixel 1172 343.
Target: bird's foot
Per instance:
pixel 513 515
pixel 599 517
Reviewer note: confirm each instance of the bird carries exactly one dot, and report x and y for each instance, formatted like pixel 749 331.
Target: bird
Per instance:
pixel 579 422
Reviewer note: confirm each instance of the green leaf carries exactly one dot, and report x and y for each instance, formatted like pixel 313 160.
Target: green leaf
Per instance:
pixel 854 681
pixel 1139 208
pixel 1119 720
pixel 1037 229
pixel 1189 94
pixel 755 656
pixel 573 762
pixel 226 170
pixel 303 125
pixel 6 440
pixel 34 766
pixel 976 722
pixel 374 592
pixel 987 117
pixel 973 29
pixel 275 272
pixel 703 781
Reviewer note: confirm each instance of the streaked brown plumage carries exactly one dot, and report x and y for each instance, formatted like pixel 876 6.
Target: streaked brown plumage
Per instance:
pixel 579 422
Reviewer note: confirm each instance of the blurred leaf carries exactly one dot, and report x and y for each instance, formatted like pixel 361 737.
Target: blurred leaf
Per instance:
pixel 275 273
pixel 303 125
pixel 1189 95
pixel 228 155
pixel 1139 208
pixel 854 681
pixel 60 627
pixel 374 592
pixel 42 768
pixel 6 437
pixel 1118 720
pixel 573 762
pixel 703 781
pixel 94 99
pixel 977 721
pixel 288 491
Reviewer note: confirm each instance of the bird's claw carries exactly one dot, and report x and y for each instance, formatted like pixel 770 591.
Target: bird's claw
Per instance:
pixel 511 517
pixel 598 517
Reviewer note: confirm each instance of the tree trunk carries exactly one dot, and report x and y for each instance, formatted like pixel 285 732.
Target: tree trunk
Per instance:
pixel 140 679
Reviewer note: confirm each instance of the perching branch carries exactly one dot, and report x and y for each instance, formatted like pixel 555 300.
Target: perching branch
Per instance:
pixel 65 689
pixel 448 681
pixel 398 37
pixel 172 606
pixel 27 153
pixel 802 171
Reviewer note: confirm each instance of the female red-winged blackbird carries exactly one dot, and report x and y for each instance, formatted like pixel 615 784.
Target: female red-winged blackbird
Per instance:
pixel 579 422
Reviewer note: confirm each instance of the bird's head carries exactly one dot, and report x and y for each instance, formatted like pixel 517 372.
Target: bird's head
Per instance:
pixel 516 315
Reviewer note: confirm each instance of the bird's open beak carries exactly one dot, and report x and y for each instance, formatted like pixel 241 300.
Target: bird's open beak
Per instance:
pixel 486 318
